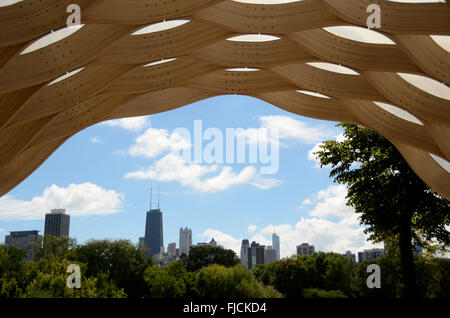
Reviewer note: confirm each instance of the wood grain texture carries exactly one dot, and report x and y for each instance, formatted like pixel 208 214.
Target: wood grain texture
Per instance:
pixel 36 118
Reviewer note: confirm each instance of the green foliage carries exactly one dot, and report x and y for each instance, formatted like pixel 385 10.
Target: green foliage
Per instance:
pixel 391 283
pixel 321 275
pixel 390 198
pixel 383 188
pixel 48 280
pixel 324 271
pixel 217 281
pixel 162 285
pixel 185 279
pixel 12 271
pixel 330 271
pixel 53 247
pixel 320 293
pixel 439 284
pixel 9 287
pixel 201 256
pixel 123 262
pixel 289 276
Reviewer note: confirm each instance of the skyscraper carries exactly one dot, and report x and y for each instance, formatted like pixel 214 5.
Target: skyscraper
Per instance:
pixel 22 240
pixel 270 255
pixel 185 240
pixel 305 249
pixel 255 255
pixel 153 238
pixel 276 244
pixel 57 223
pixel 172 249
pixel 212 242
pixel 370 254
pixel 154 232
pixel 244 250
pixel 350 255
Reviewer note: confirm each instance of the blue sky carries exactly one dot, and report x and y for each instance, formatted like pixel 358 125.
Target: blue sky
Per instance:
pixel 87 176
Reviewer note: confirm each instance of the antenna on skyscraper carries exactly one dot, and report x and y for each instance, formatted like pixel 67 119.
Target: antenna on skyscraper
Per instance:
pixel 151 184
pixel 158 195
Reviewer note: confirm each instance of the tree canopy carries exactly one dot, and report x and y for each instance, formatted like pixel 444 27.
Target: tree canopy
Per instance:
pixel 201 256
pixel 386 193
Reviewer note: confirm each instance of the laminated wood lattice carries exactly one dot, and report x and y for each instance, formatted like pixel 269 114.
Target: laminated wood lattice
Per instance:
pixel 36 118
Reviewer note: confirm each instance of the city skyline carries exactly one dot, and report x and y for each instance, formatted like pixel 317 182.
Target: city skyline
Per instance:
pixel 57 223
pixel 300 202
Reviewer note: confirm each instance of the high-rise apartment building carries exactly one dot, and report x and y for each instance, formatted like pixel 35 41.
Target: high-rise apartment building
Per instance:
pixel 276 245
pixel 271 255
pixel 350 255
pixel 255 255
pixel 370 254
pixel 22 240
pixel 57 223
pixel 185 240
pixel 172 249
pixel 305 249
pixel 244 252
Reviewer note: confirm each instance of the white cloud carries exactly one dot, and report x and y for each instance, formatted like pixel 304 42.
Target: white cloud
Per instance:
pixel 154 142
pixel 172 168
pixel 328 236
pixel 95 140
pixel 131 124
pixel 78 200
pixel 313 157
pixel 211 178
pixel 332 203
pixel 290 129
pixel 316 148
pixel 325 235
pixel 227 241
pixel 307 201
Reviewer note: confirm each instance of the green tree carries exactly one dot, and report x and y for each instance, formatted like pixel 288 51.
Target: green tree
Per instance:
pixel 12 271
pixel 55 247
pixel 48 277
pixel 163 285
pixel 390 198
pixel 184 278
pixel 123 262
pixel 330 271
pixel 289 276
pixel 391 283
pixel 439 285
pixel 201 256
pixel 320 293
pixel 217 281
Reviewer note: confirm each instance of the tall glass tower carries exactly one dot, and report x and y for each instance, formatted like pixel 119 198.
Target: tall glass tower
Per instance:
pixel 276 244
pixel 153 238
pixel 244 252
pixel 154 232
